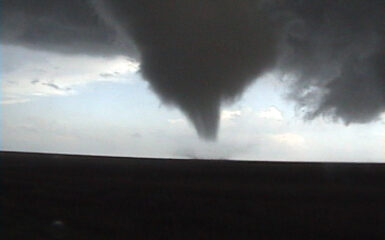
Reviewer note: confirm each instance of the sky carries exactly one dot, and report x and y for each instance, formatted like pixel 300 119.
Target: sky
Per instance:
pixel 96 81
pixel 102 106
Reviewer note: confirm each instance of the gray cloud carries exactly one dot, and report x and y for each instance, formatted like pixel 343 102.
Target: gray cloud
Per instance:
pixel 52 85
pixel 55 86
pixel 336 51
pixel 106 75
pixel 70 26
pixel 198 54
pixel 109 75
pixel 35 81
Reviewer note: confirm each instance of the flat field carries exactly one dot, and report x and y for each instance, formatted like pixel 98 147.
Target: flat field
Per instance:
pixel 51 196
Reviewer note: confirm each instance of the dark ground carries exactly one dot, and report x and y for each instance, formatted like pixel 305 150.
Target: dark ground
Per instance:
pixel 83 197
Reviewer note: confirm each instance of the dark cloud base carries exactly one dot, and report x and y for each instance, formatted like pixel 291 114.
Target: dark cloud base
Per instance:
pixel 198 54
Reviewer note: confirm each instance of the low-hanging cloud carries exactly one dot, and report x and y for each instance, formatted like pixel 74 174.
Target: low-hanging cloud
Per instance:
pixel 335 51
pixel 70 27
pixel 197 54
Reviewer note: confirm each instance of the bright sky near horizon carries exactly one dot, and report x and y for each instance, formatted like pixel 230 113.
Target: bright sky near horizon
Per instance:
pixel 83 104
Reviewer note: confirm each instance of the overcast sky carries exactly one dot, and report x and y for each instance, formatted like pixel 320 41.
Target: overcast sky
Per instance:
pixel 85 95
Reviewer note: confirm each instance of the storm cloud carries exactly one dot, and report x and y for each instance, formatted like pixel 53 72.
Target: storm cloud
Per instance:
pixel 199 54
pixel 70 27
pixel 335 51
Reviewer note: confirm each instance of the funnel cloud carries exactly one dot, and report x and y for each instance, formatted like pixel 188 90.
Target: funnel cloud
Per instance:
pixel 198 54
